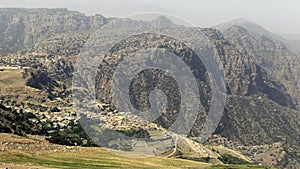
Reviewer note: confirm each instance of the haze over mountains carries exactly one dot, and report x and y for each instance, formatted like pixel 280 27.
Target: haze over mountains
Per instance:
pixel 261 71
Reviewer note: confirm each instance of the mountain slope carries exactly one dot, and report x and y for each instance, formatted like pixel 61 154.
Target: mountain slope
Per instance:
pixel 268 51
pixel 254 29
pixel 20 28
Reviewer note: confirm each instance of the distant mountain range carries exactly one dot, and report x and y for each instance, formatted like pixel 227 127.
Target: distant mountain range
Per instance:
pixel 291 41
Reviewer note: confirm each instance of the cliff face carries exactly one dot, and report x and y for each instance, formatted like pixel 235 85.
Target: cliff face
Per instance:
pixel 151 79
pixel 268 52
pixel 22 27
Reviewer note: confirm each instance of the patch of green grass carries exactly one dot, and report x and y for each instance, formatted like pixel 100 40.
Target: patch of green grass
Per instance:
pixel 202 159
pixel 229 159
pixel 58 162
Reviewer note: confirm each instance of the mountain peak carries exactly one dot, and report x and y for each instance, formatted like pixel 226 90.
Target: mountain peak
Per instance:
pixel 162 18
pixel 162 22
pixel 241 20
pixel 236 22
pixel 253 28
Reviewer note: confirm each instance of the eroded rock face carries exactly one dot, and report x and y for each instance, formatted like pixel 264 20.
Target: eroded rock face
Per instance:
pixel 244 76
pixel 22 27
pixel 273 56
pixel 151 79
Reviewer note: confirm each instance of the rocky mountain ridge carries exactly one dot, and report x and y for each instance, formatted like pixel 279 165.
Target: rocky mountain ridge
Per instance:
pixel 33 24
pixel 269 52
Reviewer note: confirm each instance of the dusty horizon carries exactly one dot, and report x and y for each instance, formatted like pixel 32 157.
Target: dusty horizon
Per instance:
pixel 274 15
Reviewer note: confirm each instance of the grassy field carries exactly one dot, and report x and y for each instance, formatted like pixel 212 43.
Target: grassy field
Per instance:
pixel 99 158
pixel 92 158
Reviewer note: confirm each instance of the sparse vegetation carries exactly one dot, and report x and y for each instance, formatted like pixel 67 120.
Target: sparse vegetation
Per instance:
pixel 229 159
pixel 140 133
pixel 201 159
pixel 72 137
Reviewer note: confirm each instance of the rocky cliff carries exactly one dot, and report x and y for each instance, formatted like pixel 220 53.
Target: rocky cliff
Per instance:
pixel 268 51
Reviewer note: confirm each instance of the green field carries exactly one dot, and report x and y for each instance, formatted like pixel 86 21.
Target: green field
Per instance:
pixel 98 158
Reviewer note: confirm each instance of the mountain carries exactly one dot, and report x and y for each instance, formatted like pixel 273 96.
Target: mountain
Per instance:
pixel 269 52
pixel 20 28
pixel 247 83
pixel 254 29
pixel 292 41
pixel 260 79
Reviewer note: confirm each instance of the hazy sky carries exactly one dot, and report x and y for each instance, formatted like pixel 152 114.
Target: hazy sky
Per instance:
pixel 276 15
